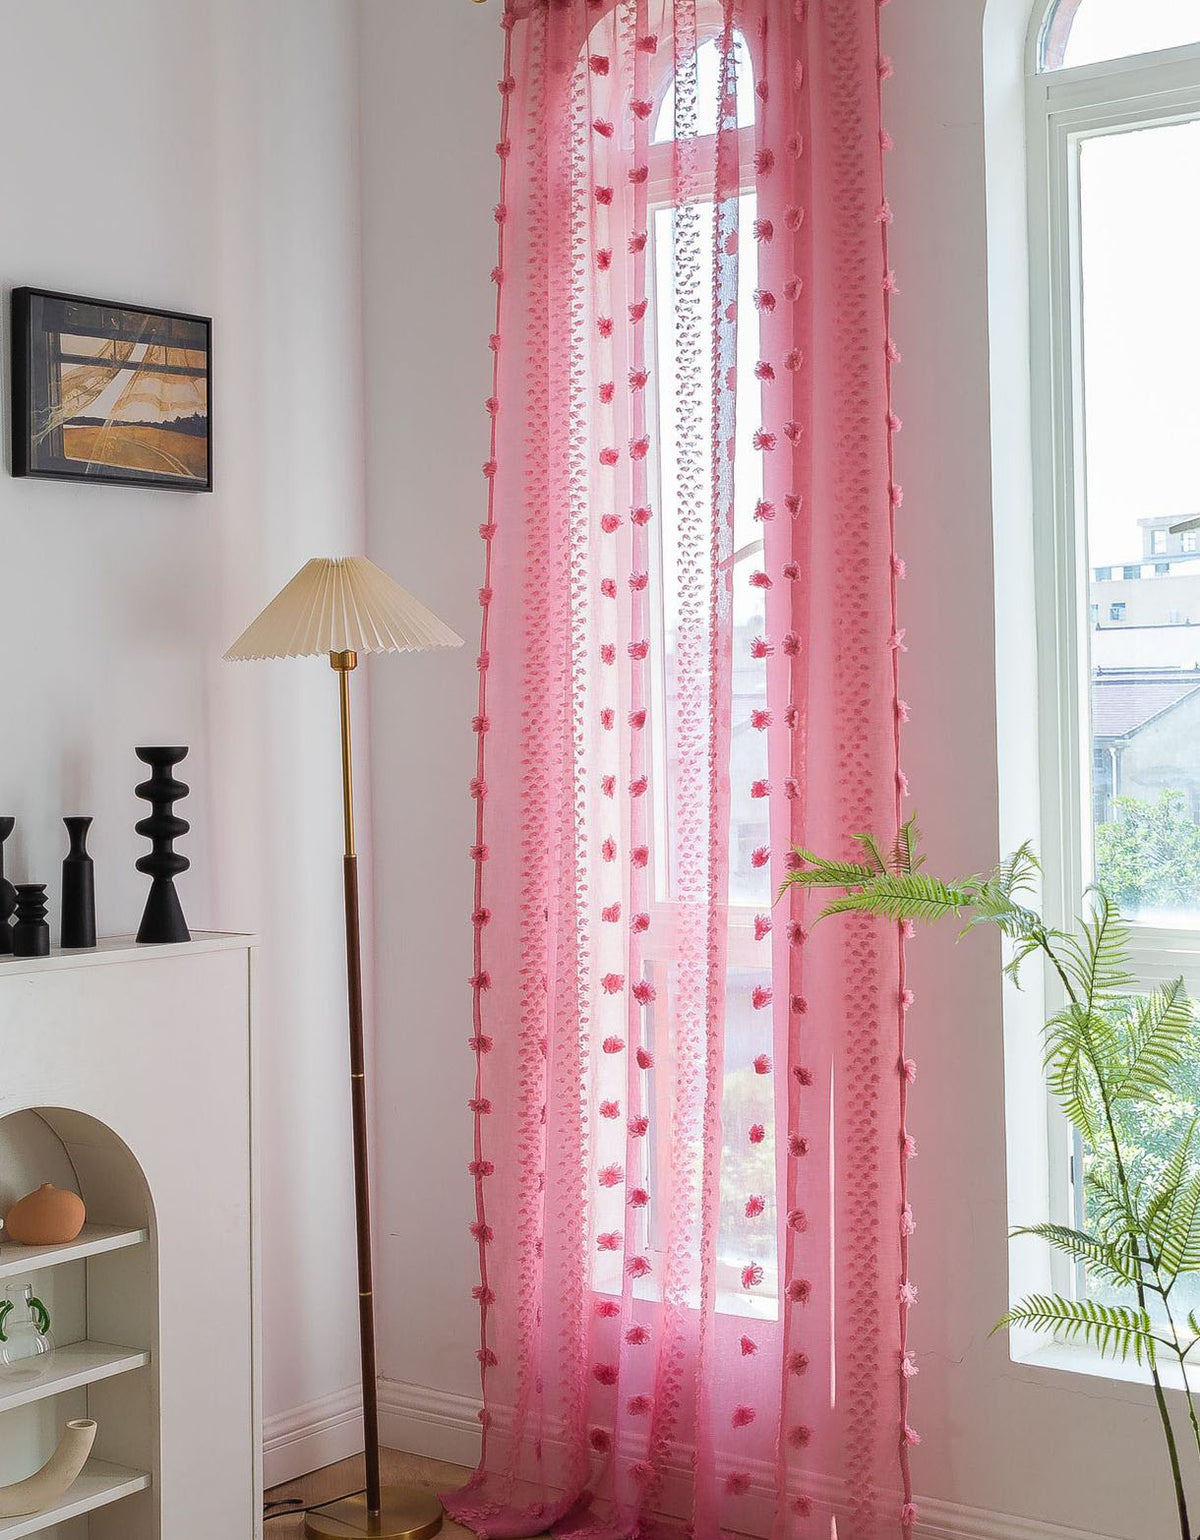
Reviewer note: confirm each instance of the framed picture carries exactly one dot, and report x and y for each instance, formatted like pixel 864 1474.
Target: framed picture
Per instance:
pixel 110 392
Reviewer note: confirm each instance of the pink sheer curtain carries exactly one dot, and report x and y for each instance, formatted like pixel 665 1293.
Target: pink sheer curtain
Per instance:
pixel 690 1143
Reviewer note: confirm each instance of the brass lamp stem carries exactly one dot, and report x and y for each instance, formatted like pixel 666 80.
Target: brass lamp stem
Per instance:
pixel 343 663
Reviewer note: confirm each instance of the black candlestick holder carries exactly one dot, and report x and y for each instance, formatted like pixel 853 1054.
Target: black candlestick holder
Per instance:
pixel 162 918
pixel 31 934
pixel 78 928
pixel 8 894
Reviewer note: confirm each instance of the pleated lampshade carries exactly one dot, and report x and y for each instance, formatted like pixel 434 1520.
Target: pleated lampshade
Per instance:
pixel 341 604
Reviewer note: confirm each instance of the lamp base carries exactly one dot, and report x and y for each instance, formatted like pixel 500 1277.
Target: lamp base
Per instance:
pixel 406 1513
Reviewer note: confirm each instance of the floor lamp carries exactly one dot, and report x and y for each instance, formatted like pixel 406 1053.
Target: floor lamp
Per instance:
pixel 340 607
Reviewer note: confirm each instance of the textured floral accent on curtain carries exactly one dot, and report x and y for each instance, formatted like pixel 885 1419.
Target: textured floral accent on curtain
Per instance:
pixel 690 1141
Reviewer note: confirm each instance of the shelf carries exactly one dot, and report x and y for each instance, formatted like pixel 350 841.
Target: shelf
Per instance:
pixel 99 1484
pixel 91 1242
pixel 69 1367
pixel 119 949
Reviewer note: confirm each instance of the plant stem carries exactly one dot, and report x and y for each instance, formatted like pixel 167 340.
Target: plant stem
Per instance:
pixel 1123 1181
pixel 1180 1355
pixel 1159 1396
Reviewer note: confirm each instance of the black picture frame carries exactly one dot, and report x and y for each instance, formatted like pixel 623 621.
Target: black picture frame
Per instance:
pixel 160 362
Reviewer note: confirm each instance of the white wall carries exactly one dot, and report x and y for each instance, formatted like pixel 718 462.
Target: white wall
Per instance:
pixel 202 157
pixel 429 73
pixel 1000 1439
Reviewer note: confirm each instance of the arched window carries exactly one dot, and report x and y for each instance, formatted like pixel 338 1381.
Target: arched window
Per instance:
pixel 708 74
pixel 1089 31
pixel 1114 161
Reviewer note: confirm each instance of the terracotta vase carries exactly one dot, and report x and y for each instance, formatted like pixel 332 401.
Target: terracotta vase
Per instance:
pixel 47 1217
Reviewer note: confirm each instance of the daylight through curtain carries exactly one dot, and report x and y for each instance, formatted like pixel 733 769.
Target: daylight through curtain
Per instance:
pixel 690 1141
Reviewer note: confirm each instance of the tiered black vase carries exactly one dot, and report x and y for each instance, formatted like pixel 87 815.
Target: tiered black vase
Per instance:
pixel 78 888
pixel 162 919
pixel 8 894
pixel 31 934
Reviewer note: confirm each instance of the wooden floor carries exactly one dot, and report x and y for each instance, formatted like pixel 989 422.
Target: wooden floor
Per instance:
pixel 337 1480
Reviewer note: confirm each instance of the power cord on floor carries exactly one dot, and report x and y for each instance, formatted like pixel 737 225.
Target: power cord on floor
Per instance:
pixel 293 1507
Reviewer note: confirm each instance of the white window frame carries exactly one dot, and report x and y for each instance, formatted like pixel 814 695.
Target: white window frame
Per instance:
pixel 1065 107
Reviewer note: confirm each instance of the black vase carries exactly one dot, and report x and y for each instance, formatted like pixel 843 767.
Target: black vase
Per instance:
pixel 162 918
pixel 8 894
pixel 78 888
pixel 31 934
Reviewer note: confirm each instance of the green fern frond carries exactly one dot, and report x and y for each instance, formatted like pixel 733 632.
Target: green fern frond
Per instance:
pixel 1019 872
pixel 1160 1197
pixel 1116 1218
pixel 1160 1033
pixel 1110 1261
pixel 906 857
pixel 1076 1041
pixel 870 844
pixel 1096 960
pixel 819 873
pixel 1021 952
pixel 1171 1214
pixel 1179 1250
pixel 908 896
pixel 1114 1330
pixel 1023 927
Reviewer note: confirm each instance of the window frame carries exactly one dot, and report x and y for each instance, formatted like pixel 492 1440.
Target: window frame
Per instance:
pixel 1050 36
pixel 1065 107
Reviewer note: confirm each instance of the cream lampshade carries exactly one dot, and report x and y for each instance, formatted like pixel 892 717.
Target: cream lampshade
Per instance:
pixel 342 606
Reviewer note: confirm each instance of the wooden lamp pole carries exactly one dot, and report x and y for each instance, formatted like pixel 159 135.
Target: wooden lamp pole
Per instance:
pixel 392 1513
pixel 343 662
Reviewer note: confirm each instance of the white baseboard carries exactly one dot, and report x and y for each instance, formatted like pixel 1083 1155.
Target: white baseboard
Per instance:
pixel 316 1434
pixel 939 1520
pixel 442 1426
pixel 434 1423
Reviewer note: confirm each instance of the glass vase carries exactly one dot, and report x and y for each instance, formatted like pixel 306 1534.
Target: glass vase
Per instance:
pixel 26 1344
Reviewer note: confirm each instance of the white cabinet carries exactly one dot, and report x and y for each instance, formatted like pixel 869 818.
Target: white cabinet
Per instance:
pixel 126 1073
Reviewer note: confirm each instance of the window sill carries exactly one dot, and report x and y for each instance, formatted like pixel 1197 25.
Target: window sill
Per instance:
pixel 1072 1358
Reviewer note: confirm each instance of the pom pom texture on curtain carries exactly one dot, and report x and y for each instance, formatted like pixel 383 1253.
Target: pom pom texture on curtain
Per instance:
pixel 690 1140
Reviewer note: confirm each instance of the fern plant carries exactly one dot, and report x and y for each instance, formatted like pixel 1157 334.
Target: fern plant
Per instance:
pixel 1111 1056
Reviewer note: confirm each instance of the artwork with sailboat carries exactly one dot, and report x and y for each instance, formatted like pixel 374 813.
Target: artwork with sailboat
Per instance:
pixel 110 392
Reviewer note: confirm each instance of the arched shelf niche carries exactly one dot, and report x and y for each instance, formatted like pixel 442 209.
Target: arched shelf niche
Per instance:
pixel 102 1295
